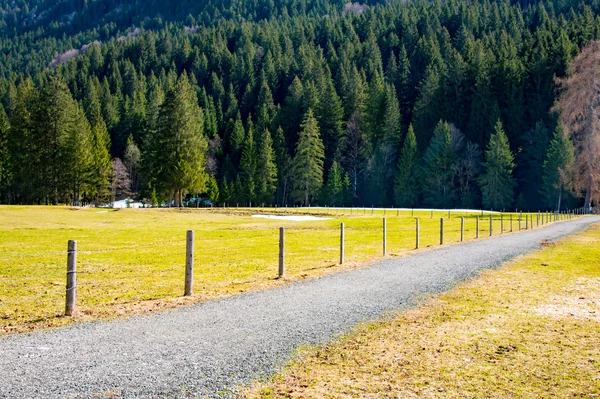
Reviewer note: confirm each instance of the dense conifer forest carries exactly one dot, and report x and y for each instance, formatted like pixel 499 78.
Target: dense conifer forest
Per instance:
pixel 396 103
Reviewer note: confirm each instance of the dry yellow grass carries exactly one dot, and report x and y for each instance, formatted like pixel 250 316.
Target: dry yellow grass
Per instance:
pixel 528 330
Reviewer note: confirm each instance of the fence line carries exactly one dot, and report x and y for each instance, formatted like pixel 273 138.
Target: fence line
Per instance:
pixel 459 228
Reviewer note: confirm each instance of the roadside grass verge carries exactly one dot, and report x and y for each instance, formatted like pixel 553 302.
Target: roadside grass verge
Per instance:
pixel 132 261
pixel 530 329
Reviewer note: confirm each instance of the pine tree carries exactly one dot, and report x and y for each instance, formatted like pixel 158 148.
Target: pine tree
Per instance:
pixel 307 177
pixel 497 182
pixel 181 145
pixel 248 167
pixel 101 162
pixel 406 192
pixel 557 175
pixel 20 145
pixel 392 120
pixel 224 192
pixel 284 167
pixel 266 169
pixel 78 155
pixel 212 189
pixel 334 189
pixel 329 115
pixel 375 108
pixel 427 108
pixel 236 139
pixel 437 172
pixel 61 144
pixel 5 159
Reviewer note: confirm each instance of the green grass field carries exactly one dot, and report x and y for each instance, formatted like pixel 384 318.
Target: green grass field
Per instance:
pixel 132 261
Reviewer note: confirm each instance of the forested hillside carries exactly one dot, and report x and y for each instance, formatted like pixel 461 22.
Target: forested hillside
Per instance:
pixel 418 103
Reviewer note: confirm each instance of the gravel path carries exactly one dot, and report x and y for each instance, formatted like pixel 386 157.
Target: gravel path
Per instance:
pixel 208 349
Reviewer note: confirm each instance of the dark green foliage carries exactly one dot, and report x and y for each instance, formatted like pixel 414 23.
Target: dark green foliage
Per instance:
pixel 406 189
pixel 5 161
pixel 497 182
pixel 255 66
pixel 437 174
pixel 179 147
pixel 266 169
pixel 307 166
pixel 557 172
pixel 248 168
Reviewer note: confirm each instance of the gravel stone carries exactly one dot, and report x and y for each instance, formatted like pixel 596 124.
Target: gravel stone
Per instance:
pixel 206 350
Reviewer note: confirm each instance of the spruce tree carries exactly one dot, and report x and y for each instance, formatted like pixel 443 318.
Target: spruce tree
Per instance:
pixel 334 189
pixel 392 120
pixel 181 145
pixel 307 176
pixel 406 181
pixel 101 162
pixel 212 189
pixel 266 169
pixel 437 172
pixel 5 161
pixel 248 167
pixel 79 155
pixel 61 144
pixel 284 166
pixel 497 182
pixel 557 171
pixel 236 139
pixel 329 115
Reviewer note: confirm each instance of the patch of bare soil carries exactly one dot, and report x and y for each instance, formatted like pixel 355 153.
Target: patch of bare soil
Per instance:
pixel 582 301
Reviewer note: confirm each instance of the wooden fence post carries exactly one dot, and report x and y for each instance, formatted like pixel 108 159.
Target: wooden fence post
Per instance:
pixel 189 263
pixel 448 213
pixel 441 231
pixel 281 251
pixel 491 224
pixel 418 233
pixel 462 228
pixel 71 292
pixel 501 223
pixel 342 244
pixel 511 229
pixel 519 223
pixel 476 226
pixel 384 237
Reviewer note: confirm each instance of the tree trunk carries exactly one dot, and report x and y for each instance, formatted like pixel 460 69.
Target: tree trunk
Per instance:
pixel 559 200
pixel 588 195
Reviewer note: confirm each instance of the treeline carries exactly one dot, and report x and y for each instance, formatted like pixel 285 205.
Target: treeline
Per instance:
pixel 423 103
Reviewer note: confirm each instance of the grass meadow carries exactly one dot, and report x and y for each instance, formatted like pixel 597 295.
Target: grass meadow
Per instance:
pixel 132 260
pixel 530 329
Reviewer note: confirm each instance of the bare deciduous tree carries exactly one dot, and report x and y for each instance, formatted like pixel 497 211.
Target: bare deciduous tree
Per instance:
pixel 214 146
pixel 579 107
pixel 354 150
pixel 120 181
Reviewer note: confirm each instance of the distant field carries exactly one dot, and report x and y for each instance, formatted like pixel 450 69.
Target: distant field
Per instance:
pixel 132 261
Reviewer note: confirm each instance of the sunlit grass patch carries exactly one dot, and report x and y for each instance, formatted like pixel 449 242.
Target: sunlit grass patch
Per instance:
pixel 528 330
pixel 132 261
